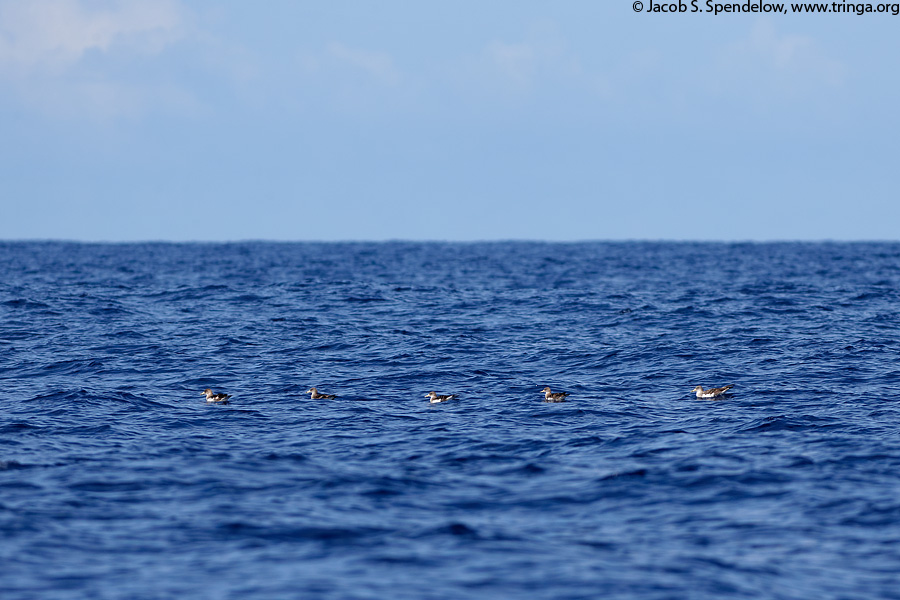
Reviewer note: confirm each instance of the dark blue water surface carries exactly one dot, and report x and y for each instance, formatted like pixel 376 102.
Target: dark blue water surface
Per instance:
pixel 117 480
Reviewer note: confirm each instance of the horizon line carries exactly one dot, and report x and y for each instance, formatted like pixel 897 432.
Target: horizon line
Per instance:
pixel 454 241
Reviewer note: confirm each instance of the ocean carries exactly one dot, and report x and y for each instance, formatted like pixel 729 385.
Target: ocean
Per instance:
pixel 118 480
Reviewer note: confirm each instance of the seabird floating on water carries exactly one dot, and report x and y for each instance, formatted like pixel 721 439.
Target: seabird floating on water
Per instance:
pixel 554 397
pixel 711 392
pixel 212 397
pixel 315 395
pixel 435 398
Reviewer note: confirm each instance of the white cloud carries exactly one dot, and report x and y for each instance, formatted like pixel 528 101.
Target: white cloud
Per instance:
pixel 45 45
pixel 378 65
pixel 354 79
pixel 540 69
pixel 517 63
pixel 52 34
pixel 780 64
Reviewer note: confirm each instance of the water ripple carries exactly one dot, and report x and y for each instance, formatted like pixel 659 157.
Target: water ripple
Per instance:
pixel 118 480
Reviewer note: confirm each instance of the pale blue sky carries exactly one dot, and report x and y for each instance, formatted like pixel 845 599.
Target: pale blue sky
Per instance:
pixel 463 120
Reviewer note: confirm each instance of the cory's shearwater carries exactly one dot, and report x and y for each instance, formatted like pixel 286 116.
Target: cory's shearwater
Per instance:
pixel 711 392
pixel 554 397
pixel 435 398
pixel 214 397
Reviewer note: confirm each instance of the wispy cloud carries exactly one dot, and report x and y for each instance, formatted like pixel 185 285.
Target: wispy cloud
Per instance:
pixel 779 65
pixel 57 33
pixel 44 45
pixel 539 65
pixel 517 62
pixel 378 65
pixel 340 60
pixel 350 77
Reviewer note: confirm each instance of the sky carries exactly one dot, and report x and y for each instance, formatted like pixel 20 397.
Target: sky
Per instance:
pixel 573 120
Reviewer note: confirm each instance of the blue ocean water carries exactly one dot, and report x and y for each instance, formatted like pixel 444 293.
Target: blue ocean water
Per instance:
pixel 117 480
